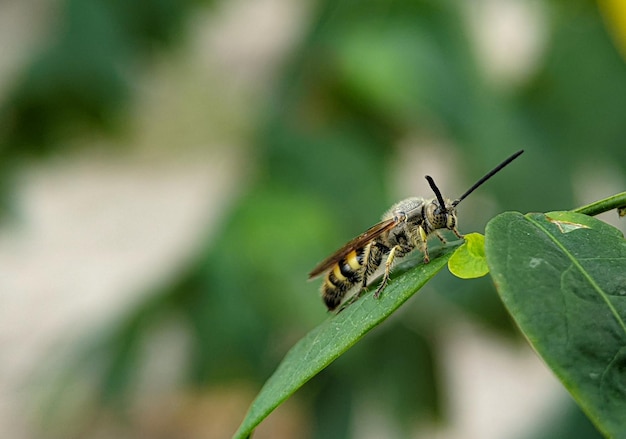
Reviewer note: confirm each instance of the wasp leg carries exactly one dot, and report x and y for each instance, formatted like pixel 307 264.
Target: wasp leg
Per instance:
pixel 367 260
pixel 441 238
pixel 456 232
pixel 372 261
pixel 422 243
pixel 351 300
pixel 398 251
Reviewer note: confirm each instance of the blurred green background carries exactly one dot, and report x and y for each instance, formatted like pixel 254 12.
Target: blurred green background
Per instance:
pixel 171 171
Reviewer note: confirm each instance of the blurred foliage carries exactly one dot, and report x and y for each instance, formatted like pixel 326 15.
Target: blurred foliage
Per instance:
pixel 82 77
pixel 570 423
pixel 366 75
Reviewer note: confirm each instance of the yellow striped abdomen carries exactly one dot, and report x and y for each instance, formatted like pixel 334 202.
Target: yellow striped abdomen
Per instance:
pixel 345 274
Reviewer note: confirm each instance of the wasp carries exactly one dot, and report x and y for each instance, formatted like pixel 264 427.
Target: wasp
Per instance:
pixel 406 226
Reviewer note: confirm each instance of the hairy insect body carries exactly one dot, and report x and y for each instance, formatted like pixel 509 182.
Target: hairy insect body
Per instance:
pixel 345 275
pixel 404 228
pixel 411 222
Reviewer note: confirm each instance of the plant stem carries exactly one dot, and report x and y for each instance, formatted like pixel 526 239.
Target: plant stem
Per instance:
pixel 617 201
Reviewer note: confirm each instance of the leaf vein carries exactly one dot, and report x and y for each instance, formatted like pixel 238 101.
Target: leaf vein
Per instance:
pixel 584 272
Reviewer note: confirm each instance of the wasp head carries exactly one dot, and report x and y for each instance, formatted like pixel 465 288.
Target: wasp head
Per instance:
pixel 440 213
pixel 441 217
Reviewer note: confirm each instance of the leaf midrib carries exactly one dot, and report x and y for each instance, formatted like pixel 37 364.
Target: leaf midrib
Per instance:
pixel 574 261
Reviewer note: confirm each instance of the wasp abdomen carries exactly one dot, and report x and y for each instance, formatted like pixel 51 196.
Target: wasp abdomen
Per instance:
pixel 346 274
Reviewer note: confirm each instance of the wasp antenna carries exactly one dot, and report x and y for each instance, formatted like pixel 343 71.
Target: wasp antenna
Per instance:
pixel 435 189
pixel 488 176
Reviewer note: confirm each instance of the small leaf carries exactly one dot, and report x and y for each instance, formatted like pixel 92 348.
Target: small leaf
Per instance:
pixel 566 289
pixel 334 336
pixel 468 261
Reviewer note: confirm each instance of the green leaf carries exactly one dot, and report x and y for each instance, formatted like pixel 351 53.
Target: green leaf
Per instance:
pixel 334 336
pixel 562 276
pixel 468 261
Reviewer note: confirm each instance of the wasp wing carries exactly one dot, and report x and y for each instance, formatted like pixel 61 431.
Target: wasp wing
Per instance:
pixel 358 242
